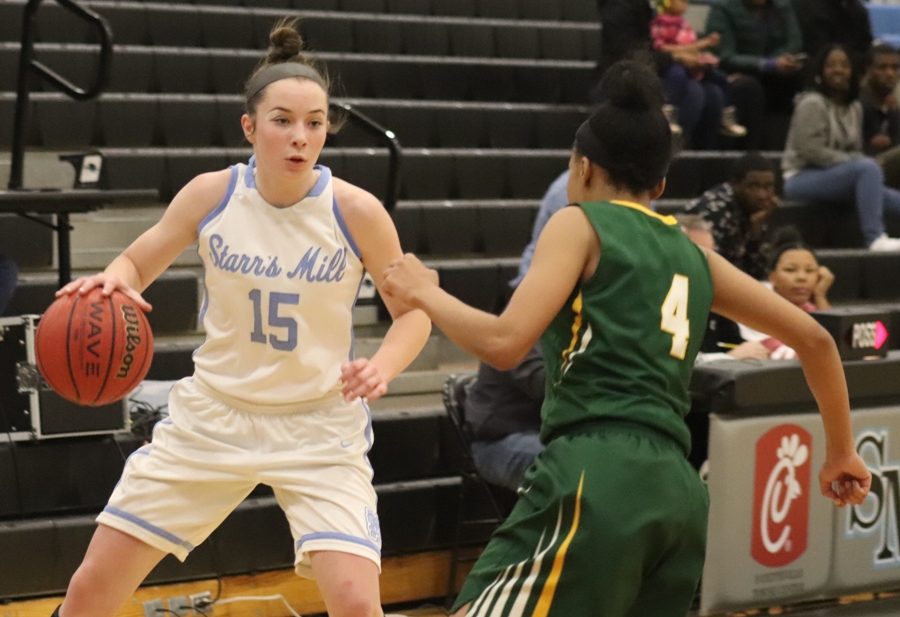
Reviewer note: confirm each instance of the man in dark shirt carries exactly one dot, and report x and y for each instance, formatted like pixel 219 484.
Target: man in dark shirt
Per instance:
pixel 503 410
pixel 626 35
pixel 881 115
pixel 823 22
pixel 738 210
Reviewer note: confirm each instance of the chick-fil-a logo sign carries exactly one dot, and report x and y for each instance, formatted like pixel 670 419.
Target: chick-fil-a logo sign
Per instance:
pixel 781 495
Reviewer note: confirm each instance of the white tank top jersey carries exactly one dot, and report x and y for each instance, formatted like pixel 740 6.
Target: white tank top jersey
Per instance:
pixel 280 284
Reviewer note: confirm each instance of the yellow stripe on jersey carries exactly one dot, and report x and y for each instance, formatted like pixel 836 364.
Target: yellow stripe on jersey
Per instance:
pixel 576 327
pixel 542 609
pixel 568 355
pixel 667 219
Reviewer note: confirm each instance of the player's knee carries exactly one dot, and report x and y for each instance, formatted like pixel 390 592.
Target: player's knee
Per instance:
pixel 355 605
pixel 82 587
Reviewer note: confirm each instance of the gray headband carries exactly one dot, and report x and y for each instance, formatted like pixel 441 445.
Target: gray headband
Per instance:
pixel 282 70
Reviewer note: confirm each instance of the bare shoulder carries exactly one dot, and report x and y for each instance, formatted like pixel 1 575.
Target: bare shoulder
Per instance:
pixel 210 186
pixel 201 194
pixel 370 225
pixel 570 221
pixel 357 205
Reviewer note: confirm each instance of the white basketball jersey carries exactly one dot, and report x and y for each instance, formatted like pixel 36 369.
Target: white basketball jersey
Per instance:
pixel 280 288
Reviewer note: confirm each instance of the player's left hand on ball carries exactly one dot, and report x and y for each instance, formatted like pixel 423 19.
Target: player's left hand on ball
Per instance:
pixel 361 378
pixel 407 275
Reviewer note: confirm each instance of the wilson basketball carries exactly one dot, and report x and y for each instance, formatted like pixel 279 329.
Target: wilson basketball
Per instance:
pixel 93 349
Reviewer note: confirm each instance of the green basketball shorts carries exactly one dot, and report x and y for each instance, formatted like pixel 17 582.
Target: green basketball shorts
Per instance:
pixel 610 522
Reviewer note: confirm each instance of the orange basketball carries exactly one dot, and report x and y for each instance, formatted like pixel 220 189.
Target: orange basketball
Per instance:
pixel 93 349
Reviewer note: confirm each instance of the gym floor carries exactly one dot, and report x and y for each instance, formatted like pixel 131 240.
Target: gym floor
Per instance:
pixel 887 607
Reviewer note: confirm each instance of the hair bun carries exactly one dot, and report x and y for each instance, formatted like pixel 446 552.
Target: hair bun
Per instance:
pixel 631 85
pixel 285 43
pixel 787 235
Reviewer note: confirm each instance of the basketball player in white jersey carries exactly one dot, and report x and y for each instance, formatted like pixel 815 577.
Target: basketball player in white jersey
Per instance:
pixel 275 397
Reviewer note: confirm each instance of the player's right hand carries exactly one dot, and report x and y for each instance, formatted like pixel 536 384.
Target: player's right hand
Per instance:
pixel 108 283
pixel 845 479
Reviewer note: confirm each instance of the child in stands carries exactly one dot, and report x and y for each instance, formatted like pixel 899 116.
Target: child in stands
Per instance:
pixel 276 397
pixel 671 32
pixel 796 275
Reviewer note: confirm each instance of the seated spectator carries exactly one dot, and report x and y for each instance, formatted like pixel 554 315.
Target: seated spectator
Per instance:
pixel 881 115
pixel 829 22
pixel 554 199
pixel 503 409
pixel 626 35
pixel 671 32
pixel 824 160
pixel 795 274
pixel 9 277
pixel 758 45
pixel 738 210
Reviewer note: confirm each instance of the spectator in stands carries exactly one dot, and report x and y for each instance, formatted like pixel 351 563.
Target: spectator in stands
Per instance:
pixel 626 35
pixel 738 211
pixel 671 32
pixel 881 114
pixel 722 340
pixel 824 160
pixel 795 272
pixel 621 297
pixel 759 43
pixel 829 22
pixel 274 397
pixel 796 275
pixel 554 199
pixel 9 278
pixel 503 409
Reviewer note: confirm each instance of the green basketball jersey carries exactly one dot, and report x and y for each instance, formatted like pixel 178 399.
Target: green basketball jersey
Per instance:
pixel 623 346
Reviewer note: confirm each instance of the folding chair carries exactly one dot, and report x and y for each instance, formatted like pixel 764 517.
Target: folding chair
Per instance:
pixel 454 393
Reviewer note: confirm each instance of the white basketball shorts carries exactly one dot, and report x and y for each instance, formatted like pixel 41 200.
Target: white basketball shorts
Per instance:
pixel 207 456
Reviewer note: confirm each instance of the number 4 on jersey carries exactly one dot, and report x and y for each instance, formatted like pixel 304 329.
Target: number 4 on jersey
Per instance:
pixel 674 316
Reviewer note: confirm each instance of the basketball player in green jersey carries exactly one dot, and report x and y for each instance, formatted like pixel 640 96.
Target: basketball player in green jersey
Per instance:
pixel 611 518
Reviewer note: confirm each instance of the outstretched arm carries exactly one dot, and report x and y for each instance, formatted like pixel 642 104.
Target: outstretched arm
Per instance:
pixel 560 259
pixel 844 477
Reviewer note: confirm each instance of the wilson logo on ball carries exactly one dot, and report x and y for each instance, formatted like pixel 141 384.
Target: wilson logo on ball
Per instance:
pixel 133 338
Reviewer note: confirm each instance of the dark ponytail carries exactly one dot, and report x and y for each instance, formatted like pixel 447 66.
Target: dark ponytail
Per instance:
pixel 627 134
pixel 784 239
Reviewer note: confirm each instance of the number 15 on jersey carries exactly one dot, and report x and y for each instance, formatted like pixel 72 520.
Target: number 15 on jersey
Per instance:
pixel 284 337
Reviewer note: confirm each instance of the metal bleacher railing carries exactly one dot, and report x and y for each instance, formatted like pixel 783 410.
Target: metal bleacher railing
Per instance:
pixel 61 203
pixel 389 139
